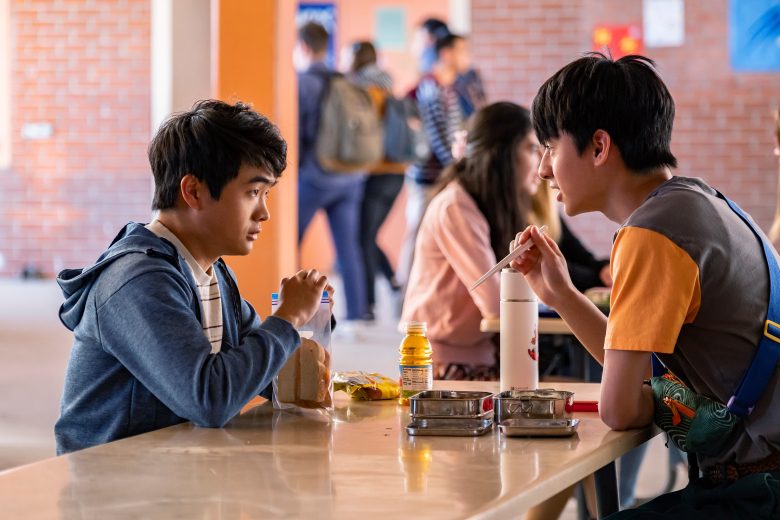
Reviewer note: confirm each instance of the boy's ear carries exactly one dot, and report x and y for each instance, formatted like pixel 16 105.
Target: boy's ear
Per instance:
pixel 191 191
pixel 602 145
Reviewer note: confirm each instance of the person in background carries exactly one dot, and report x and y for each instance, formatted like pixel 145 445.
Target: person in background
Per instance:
pixel 481 200
pixel 441 114
pixel 339 195
pixel 384 181
pixel 469 82
pixel 424 43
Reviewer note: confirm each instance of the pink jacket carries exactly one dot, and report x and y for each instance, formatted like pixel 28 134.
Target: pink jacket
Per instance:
pixel 452 251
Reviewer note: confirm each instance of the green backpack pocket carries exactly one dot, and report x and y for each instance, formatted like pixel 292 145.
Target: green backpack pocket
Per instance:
pixel 694 423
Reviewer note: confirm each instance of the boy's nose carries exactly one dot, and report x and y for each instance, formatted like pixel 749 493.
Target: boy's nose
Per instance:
pixel 261 212
pixel 545 171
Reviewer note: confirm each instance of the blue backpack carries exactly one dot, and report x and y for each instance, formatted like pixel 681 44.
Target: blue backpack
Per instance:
pixel 399 138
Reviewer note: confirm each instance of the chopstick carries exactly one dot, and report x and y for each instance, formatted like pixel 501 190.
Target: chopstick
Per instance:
pixel 505 261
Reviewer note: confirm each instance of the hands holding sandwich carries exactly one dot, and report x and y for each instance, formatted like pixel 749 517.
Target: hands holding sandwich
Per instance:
pixel 305 379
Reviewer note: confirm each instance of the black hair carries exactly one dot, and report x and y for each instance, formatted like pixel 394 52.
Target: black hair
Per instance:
pixel 435 27
pixel 487 171
pixel 363 53
pixel 212 141
pixel 314 36
pixel 446 42
pixel 625 97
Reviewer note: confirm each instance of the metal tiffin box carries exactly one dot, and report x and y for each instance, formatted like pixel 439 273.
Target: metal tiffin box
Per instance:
pixel 451 427
pixel 533 404
pixel 440 404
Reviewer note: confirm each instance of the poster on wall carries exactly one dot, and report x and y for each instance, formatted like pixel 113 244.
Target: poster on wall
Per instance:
pixel 324 14
pixel 663 23
pixel 618 40
pixel 754 35
pixel 391 28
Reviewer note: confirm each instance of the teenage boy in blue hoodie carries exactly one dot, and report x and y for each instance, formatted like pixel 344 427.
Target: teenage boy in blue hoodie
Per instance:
pixel 161 333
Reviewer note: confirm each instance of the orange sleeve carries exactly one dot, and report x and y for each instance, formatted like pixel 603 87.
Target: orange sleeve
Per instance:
pixel 656 291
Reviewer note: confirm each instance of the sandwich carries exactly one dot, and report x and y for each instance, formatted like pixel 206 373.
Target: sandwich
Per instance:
pixel 305 379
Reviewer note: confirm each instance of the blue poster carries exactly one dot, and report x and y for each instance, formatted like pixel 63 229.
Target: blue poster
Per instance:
pixel 325 15
pixel 754 35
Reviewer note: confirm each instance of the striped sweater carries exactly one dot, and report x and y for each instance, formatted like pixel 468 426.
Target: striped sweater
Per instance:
pixel 442 115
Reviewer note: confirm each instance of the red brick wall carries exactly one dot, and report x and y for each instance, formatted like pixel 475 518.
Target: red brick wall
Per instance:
pixel 723 128
pixel 84 67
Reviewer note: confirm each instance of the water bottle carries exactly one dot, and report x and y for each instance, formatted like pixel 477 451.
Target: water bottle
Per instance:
pixel 415 364
pixel 519 339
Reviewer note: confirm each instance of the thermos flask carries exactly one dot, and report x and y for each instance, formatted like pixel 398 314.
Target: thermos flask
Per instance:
pixel 519 340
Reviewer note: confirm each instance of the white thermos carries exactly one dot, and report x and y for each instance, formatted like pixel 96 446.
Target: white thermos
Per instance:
pixel 519 340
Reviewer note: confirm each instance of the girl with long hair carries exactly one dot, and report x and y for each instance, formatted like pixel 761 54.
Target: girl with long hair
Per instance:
pixel 482 200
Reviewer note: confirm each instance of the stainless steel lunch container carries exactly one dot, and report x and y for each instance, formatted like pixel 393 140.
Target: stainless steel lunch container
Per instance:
pixel 457 427
pixel 432 404
pixel 539 427
pixel 533 404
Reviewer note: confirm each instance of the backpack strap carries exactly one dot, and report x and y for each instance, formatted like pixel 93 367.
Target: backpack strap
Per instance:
pixel 756 378
pixel 658 366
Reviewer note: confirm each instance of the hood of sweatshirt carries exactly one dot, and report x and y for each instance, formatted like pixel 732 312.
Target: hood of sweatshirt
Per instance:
pixel 134 238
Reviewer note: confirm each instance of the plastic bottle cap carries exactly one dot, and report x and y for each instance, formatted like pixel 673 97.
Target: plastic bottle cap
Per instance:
pixel 418 327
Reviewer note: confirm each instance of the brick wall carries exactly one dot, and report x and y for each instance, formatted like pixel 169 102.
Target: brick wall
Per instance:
pixel 723 128
pixel 83 67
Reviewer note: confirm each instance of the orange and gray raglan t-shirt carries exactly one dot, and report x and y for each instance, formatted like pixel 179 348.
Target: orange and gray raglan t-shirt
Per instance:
pixel 691 284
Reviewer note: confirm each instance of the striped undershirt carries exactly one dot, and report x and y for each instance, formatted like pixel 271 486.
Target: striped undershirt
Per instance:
pixel 208 287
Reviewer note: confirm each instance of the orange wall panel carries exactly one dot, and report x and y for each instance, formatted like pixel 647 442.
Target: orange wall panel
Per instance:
pixel 249 58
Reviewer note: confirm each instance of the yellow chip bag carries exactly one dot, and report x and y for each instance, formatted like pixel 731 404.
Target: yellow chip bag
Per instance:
pixel 366 387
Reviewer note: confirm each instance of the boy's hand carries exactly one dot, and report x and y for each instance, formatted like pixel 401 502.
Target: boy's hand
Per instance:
pixel 300 296
pixel 544 267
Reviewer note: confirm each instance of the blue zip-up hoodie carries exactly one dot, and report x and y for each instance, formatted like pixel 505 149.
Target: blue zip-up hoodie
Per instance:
pixel 140 360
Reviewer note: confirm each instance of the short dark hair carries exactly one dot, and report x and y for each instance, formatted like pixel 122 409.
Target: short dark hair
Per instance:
pixel 435 27
pixel 212 141
pixel 363 53
pixel 625 97
pixel 314 36
pixel 446 42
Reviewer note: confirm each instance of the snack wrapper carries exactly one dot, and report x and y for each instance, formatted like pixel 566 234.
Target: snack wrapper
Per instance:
pixel 366 387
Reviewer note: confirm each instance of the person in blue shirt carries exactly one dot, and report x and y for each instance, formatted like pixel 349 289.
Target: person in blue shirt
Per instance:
pixel 161 333
pixel 339 195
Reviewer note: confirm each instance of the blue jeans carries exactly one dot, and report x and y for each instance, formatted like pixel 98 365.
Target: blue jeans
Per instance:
pixel 341 202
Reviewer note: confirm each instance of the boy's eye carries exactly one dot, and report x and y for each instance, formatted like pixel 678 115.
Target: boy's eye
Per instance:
pixel 255 193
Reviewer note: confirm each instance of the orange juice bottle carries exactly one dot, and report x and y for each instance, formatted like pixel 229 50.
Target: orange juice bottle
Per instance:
pixel 416 365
